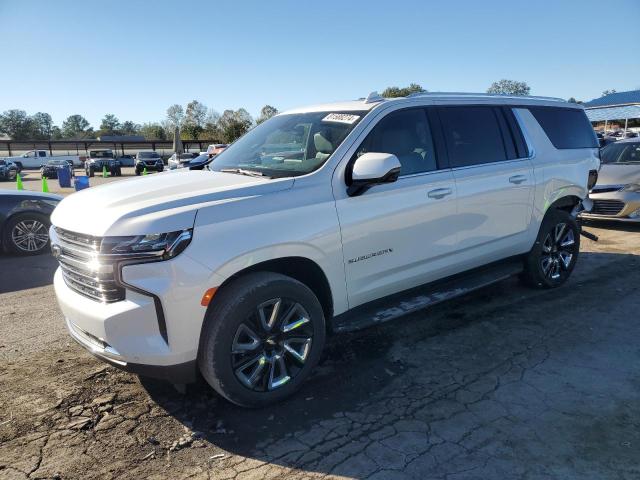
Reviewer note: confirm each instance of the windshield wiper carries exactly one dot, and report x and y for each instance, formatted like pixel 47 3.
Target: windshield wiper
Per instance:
pixel 243 171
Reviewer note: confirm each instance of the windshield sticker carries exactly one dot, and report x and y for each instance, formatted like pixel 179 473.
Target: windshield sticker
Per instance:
pixel 341 118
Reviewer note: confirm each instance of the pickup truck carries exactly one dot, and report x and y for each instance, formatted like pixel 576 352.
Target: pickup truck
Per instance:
pixel 37 158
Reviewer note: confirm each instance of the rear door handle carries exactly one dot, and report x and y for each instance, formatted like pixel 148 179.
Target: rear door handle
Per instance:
pixel 439 193
pixel 517 179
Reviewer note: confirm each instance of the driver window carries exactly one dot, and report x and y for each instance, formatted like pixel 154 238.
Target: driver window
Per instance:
pixel 406 134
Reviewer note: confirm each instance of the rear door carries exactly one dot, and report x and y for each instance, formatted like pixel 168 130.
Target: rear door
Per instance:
pixel 494 181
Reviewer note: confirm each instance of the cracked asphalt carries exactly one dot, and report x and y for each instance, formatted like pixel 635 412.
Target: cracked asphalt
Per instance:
pixel 505 383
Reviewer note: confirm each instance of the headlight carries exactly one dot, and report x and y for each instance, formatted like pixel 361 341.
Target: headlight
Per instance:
pixel 632 187
pixel 163 245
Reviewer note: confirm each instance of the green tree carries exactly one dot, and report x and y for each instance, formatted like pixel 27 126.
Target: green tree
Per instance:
pixel 129 128
pixel 110 125
pixel 56 133
pixel 175 115
pixel 194 119
pixel 211 128
pixel 234 124
pixel 393 92
pixel 153 131
pixel 76 126
pixel 16 124
pixel 266 113
pixel 42 126
pixel 509 87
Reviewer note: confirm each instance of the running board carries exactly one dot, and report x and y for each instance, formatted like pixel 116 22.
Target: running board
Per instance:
pixel 400 304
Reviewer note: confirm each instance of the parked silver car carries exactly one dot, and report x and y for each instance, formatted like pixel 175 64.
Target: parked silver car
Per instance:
pixel 616 195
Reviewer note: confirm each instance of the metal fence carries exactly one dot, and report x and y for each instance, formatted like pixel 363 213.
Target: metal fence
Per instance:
pixel 10 148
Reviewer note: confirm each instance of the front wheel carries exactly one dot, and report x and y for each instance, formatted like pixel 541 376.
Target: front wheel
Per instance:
pixel 261 339
pixel 553 257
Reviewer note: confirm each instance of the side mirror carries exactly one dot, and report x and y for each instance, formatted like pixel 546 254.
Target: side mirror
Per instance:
pixel 373 169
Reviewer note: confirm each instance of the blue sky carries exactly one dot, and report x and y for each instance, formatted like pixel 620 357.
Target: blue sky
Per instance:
pixel 135 58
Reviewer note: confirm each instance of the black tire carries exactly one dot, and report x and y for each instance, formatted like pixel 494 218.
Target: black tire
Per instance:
pixel 137 172
pixel 237 307
pixel 12 229
pixel 555 253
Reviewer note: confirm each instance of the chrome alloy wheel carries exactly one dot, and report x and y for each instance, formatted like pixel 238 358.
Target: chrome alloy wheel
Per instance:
pixel 558 250
pixel 271 346
pixel 30 235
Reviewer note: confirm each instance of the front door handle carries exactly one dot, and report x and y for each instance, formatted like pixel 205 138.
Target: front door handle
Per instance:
pixel 439 193
pixel 517 179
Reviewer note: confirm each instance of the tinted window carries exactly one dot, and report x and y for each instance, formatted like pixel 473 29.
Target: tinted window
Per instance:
pixel 407 135
pixel 42 154
pixel 473 135
pixel 566 127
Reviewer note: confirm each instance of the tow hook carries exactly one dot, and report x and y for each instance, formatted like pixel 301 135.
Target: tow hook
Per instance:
pixel 584 206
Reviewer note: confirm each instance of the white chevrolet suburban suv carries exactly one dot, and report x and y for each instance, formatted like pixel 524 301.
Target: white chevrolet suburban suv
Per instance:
pixel 320 220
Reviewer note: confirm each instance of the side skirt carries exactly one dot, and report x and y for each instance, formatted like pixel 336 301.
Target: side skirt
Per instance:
pixel 409 301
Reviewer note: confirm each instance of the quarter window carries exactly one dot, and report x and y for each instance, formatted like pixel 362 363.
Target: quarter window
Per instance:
pixel 473 135
pixel 405 134
pixel 566 127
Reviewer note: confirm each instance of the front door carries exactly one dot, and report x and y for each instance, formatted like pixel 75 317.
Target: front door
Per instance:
pixel 399 235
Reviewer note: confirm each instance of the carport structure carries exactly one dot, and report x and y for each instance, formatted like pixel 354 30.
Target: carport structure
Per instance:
pixel 616 106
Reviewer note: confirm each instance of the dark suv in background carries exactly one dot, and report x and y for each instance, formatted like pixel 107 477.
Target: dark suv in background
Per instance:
pixel 98 160
pixel 150 160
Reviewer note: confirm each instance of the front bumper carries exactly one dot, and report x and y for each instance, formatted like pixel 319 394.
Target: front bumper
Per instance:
pixel 128 334
pixel 629 203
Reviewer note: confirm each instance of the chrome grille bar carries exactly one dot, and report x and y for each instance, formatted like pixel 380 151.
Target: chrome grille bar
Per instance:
pixel 86 271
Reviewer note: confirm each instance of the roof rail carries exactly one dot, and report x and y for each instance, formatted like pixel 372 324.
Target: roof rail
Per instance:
pixel 488 95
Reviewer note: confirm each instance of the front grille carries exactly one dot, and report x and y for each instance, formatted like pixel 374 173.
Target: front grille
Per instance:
pixel 81 270
pixel 607 207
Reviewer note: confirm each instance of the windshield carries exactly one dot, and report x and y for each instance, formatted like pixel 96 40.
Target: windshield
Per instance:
pixel 621 153
pixel 289 145
pixel 142 155
pixel 101 154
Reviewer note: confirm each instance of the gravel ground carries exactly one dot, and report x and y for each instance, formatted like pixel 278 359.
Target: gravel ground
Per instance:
pixel 504 383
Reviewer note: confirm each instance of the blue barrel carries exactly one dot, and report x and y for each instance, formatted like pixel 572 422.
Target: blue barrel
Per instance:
pixel 81 182
pixel 64 177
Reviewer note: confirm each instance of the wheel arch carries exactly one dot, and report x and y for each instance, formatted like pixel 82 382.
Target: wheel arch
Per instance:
pixel 567 203
pixel 303 269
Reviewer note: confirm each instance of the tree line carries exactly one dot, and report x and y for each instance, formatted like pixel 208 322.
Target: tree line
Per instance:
pixel 195 120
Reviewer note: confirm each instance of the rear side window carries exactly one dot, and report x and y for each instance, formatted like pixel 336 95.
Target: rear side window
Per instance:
pixel 566 127
pixel 42 154
pixel 473 135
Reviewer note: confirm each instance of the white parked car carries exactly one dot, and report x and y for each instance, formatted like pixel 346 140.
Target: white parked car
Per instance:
pixel 177 159
pixel 37 158
pixel 322 219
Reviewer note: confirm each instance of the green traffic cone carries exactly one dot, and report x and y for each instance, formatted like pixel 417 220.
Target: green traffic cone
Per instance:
pixel 104 171
pixel 19 185
pixel 144 171
pixel 45 187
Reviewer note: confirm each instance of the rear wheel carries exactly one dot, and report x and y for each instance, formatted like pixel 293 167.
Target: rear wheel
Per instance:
pixel 262 339
pixel 27 234
pixel 553 257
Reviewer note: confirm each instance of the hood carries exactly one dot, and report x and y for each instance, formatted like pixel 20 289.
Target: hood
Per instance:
pixel 158 203
pixel 616 174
